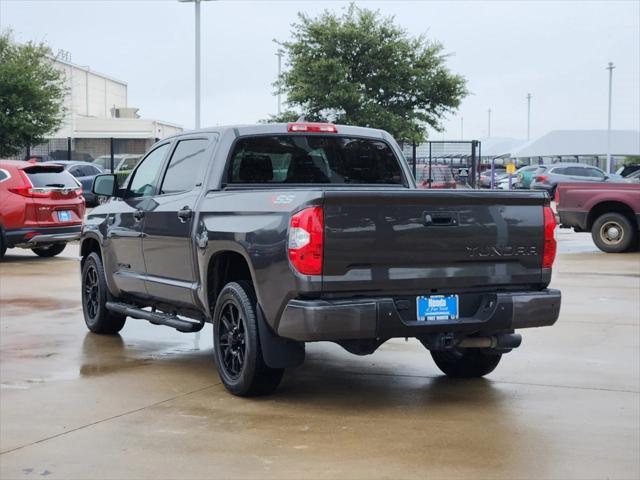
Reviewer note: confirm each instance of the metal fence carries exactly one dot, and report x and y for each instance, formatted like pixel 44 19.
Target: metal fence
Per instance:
pixel 87 149
pixel 462 157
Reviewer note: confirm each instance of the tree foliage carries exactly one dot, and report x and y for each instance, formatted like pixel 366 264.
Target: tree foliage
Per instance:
pixel 31 94
pixel 360 68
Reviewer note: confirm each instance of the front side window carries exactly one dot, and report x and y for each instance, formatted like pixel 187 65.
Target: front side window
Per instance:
pixel 185 166
pixel 145 177
pixel 313 159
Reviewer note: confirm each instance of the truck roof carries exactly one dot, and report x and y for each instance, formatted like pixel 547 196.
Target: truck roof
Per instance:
pixel 282 128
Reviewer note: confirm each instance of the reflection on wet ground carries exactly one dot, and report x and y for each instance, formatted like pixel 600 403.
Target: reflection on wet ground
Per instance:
pixel 148 402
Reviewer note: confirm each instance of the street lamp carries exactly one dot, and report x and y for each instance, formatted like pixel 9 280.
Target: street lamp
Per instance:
pixel 610 68
pixel 528 116
pixel 279 54
pixel 489 124
pixel 197 9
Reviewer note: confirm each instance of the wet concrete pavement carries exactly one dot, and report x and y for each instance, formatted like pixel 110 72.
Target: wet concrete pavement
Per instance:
pixel 149 404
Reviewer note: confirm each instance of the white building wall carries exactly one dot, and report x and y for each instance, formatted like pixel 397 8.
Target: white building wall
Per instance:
pixel 88 102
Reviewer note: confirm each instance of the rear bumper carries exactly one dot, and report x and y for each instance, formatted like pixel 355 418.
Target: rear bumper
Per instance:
pixel 545 187
pixel 317 320
pixel 576 220
pixel 32 237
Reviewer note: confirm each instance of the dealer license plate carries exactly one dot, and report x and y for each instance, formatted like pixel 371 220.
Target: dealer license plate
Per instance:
pixel 437 307
pixel 64 215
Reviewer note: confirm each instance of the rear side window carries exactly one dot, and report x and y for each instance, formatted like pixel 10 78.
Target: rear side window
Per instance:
pixel 40 178
pixel 3 175
pixel 313 159
pixel 576 171
pixel 185 166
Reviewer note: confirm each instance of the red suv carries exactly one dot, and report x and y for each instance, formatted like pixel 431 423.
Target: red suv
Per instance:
pixel 41 207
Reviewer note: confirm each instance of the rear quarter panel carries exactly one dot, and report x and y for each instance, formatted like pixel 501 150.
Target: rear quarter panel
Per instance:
pixel 254 224
pixel 584 196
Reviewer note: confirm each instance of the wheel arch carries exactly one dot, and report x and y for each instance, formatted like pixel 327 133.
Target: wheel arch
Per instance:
pixel 223 267
pixel 88 245
pixel 611 206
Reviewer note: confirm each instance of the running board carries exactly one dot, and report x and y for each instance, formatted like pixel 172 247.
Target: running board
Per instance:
pixel 157 318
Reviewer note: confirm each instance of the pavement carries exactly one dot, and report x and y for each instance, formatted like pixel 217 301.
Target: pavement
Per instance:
pixel 149 404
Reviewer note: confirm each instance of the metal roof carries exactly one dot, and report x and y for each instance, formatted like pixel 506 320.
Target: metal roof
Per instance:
pixel 580 142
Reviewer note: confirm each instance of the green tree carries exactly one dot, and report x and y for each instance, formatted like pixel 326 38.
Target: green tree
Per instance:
pixel 31 94
pixel 360 68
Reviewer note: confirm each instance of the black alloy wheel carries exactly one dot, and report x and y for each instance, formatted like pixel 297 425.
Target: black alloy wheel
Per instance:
pixel 232 339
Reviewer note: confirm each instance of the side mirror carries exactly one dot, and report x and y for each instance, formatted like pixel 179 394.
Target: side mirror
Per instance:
pixel 105 185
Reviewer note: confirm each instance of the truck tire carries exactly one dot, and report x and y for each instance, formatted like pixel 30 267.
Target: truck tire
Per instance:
pixel 94 297
pixel 236 345
pixel 613 233
pixel 466 362
pixel 50 251
pixel 3 245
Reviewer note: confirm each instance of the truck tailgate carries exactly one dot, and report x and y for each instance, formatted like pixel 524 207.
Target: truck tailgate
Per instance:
pixel 412 241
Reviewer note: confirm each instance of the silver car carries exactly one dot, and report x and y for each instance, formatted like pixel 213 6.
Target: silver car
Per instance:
pixel 547 177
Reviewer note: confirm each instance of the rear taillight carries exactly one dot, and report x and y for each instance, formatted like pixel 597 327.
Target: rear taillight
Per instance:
pixel 306 241
pixel 550 246
pixel 32 192
pixel 541 178
pixel 312 127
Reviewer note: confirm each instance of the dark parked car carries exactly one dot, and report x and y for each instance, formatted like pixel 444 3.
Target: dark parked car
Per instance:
pixel 282 234
pixel 610 211
pixel 548 177
pixel 84 172
pixel 628 170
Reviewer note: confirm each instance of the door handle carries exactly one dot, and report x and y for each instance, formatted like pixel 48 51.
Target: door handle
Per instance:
pixel 185 214
pixel 138 215
pixel 440 219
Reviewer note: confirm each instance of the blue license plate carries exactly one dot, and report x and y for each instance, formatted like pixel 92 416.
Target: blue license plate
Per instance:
pixel 64 215
pixel 437 307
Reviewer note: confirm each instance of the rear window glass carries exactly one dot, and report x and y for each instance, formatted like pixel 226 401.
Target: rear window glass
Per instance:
pixel 313 159
pixel 48 178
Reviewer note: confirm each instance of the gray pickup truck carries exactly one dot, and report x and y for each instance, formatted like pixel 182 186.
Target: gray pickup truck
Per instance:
pixel 284 234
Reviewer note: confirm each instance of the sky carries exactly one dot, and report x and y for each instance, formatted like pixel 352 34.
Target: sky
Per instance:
pixel 556 50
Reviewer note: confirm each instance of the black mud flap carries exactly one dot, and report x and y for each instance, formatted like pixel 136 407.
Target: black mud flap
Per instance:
pixel 278 352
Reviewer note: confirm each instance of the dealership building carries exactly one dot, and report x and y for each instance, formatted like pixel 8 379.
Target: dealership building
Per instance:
pixel 97 118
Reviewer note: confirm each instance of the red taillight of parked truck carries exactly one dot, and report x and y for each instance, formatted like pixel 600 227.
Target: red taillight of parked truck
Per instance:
pixel 550 246
pixel 306 241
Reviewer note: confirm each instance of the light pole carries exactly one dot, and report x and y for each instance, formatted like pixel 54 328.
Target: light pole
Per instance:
pixel 197 10
pixel 489 124
pixel 279 54
pixel 461 128
pixel 610 68
pixel 528 116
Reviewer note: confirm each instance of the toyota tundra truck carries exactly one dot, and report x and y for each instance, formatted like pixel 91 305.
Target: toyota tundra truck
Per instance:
pixel 283 234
